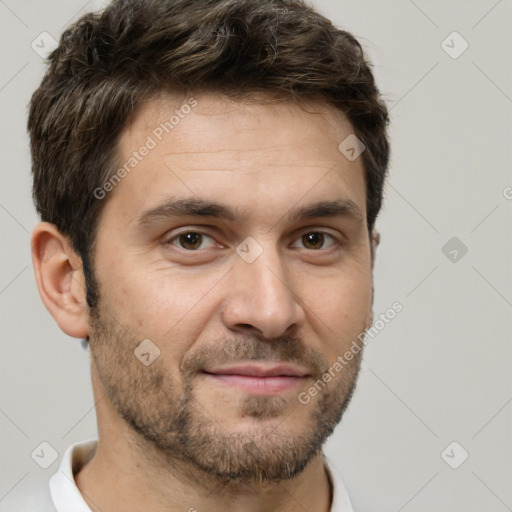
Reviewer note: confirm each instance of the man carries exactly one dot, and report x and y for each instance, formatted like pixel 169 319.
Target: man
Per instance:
pixel 208 175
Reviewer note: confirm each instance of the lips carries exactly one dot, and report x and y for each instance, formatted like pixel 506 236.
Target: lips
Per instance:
pixel 253 370
pixel 259 379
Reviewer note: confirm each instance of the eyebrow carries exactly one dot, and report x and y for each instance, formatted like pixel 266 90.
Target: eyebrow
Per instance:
pixel 193 207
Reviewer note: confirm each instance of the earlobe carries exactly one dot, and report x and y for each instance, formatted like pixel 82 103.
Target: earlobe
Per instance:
pixel 375 241
pixel 60 279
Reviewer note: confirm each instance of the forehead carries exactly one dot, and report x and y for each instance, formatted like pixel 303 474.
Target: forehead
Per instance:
pixel 250 155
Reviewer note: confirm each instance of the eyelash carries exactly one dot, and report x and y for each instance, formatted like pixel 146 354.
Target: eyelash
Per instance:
pixel 336 245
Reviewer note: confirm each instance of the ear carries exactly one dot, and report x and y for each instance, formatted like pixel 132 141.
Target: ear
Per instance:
pixel 60 279
pixel 375 240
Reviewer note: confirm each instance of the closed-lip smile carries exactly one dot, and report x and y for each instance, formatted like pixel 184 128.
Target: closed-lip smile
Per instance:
pixel 259 370
pixel 258 378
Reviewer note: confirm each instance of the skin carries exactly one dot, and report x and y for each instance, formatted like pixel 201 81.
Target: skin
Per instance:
pixel 302 300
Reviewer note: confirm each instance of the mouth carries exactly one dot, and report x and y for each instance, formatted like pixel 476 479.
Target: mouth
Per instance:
pixel 258 379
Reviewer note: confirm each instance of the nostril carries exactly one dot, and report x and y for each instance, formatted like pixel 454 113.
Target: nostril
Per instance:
pixel 249 330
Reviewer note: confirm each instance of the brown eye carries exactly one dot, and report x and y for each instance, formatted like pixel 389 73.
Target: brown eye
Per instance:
pixel 317 241
pixel 190 240
pixel 313 240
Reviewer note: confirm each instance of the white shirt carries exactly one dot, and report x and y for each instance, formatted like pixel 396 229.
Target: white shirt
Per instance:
pixel 67 498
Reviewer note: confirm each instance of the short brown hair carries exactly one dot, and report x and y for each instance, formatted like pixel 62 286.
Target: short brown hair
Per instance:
pixel 108 63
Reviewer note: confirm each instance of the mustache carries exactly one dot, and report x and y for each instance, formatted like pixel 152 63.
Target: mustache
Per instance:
pixel 283 349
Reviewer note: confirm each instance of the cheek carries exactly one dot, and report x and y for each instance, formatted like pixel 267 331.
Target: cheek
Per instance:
pixel 339 309
pixel 161 303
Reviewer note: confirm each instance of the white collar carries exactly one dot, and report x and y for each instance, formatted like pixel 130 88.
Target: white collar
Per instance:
pixel 65 493
pixel 340 498
pixel 66 496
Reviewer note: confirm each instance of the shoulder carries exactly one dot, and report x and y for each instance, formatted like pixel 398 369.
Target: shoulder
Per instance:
pixel 36 492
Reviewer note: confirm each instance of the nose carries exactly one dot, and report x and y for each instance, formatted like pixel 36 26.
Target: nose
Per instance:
pixel 261 298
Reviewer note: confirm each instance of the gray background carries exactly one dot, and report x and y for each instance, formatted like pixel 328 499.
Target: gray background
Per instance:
pixel 440 371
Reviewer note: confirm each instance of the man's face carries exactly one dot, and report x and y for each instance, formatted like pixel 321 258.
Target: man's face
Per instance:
pixel 247 311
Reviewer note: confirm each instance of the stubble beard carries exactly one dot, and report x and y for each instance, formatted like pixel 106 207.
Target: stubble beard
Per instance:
pixel 167 415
